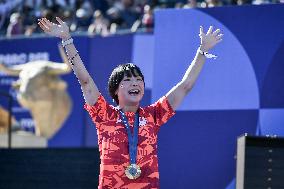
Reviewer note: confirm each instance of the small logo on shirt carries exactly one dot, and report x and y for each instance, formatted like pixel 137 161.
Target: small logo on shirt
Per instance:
pixel 142 121
pixel 118 120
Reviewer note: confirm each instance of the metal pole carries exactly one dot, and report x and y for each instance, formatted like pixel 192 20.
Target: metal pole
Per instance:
pixel 10 123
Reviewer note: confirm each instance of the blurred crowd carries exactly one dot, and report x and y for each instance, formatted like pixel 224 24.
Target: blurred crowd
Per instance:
pixel 96 17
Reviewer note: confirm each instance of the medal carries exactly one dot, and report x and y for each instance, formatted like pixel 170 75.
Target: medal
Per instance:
pixel 133 171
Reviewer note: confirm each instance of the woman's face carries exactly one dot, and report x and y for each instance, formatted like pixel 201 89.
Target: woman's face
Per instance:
pixel 130 90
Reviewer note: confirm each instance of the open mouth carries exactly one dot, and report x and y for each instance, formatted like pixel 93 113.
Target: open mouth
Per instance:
pixel 134 92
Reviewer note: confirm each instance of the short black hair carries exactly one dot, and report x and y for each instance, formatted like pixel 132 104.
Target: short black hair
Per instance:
pixel 118 73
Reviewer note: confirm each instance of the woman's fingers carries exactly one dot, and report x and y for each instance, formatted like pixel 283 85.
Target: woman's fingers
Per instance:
pixel 43 23
pixel 218 37
pixel 59 20
pixel 209 30
pixel 201 30
pixel 216 32
pixel 43 26
pixel 47 22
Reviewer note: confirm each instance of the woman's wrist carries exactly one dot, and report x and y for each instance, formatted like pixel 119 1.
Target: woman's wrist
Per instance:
pixel 203 48
pixel 66 37
pixel 67 42
pixel 205 53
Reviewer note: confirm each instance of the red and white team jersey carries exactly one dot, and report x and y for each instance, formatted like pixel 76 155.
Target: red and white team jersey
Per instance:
pixel 113 143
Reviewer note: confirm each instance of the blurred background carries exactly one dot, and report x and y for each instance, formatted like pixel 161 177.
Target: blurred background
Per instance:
pixel 97 17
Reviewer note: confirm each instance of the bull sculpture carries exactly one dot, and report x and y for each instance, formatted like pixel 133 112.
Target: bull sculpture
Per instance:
pixel 43 92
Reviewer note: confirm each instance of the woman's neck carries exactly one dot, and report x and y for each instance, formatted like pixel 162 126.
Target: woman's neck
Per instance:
pixel 132 108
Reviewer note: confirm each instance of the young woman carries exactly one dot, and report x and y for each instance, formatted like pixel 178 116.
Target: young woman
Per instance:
pixel 127 134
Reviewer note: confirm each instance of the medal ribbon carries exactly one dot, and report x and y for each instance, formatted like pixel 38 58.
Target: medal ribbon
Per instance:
pixel 132 139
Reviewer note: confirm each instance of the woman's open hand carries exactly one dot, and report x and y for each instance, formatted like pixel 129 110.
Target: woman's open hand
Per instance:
pixel 58 30
pixel 210 39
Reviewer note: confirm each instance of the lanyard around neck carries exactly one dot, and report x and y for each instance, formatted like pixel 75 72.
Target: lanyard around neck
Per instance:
pixel 132 139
